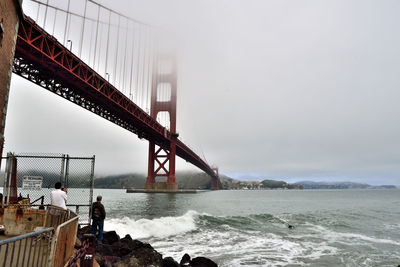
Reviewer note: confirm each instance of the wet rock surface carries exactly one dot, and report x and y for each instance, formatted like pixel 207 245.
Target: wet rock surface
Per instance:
pixel 126 252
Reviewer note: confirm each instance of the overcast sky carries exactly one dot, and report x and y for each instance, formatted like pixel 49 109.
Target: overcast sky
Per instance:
pixel 293 90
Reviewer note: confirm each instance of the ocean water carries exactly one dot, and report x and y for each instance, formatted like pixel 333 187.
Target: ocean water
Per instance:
pixel 250 228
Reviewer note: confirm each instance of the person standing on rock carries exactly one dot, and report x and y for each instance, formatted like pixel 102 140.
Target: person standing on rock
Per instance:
pixel 98 216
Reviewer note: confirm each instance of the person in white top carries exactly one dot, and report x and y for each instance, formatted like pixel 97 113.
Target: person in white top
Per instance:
pixel 58 196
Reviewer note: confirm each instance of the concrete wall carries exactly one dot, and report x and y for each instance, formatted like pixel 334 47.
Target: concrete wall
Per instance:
pixel 10 12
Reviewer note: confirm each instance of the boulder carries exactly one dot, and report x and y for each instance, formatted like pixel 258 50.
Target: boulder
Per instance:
pixel 202 262
pixel 196 262
pixel 110 237
pixel 169 262
pixel 84 230
pixel 185 261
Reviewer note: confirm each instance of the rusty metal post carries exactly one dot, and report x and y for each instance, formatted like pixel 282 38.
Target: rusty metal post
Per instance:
pixel 66 177
pixel 87 259
pixel 13 196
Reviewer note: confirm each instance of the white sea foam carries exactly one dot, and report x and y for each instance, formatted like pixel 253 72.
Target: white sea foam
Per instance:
pixel 231 246
pixel 240 248
pixel 334 236
pixel 155 228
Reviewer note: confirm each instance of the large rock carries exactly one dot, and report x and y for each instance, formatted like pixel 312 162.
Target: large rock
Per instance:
pixel 196 262
pixel 126 252
pixel 110 237
pixel 169 262
pixel 84 230
pixel 203 262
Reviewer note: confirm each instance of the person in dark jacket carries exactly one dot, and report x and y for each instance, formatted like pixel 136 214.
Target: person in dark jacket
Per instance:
pixel 98 216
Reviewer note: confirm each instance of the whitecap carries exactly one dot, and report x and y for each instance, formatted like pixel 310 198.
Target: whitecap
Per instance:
pixel 333 236
pixel 154 228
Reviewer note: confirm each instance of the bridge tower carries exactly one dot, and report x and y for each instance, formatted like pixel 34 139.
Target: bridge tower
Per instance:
pixel 215 182
pixel 163 99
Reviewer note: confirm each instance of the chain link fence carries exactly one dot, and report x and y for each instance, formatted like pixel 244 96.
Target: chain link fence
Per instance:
pixel 36 175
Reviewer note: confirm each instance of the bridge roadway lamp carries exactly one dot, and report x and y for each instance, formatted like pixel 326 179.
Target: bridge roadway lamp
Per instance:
pixel 70 47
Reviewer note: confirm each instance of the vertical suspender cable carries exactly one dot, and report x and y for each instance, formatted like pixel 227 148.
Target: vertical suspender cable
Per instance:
pixel 83 29
pixel 45 14
pixel 38 11
pixel 69 27
pixel 148 72
pixel 95 40
pixel 126 46
pixel 145 82
pixel 137 67
pixel 133 50
pixel 116 52
pixel 54 22
pixel 100 43
pixel 66 24
pixel 108 41
pixel 157 82
pixel 143 69
pixel 90 44
pixel 146 48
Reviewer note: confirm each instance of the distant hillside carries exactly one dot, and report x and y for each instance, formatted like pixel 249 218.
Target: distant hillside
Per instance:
pixel 341 185
pixel 186 180
pixel 121 181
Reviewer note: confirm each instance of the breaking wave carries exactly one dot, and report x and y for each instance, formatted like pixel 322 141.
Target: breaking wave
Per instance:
pixel 156 228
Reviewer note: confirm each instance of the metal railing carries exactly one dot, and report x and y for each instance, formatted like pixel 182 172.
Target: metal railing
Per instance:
pixel 56 216
pixel 31 249
pixel 52 246
pixel 64 242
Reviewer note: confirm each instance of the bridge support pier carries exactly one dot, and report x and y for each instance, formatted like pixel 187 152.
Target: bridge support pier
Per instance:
pixel 163 99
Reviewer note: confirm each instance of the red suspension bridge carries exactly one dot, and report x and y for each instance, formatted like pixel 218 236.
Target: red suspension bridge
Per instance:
pixel 142 94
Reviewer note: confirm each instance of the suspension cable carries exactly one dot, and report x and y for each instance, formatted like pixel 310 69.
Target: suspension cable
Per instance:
pixel 54 22
pixel 45 15
pixel 83 29
pixel 95 42
pixel 66 24
pixel 108 41
pixel 116 52
pixel 126 46
pixel 132 58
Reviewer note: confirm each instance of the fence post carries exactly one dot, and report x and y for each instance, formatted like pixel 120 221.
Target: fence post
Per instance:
pixel 91 189
pixel 62 168
pixel 66 182
pixel 87 258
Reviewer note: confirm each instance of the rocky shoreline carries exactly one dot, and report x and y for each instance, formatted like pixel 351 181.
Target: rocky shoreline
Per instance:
pixel 126 252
